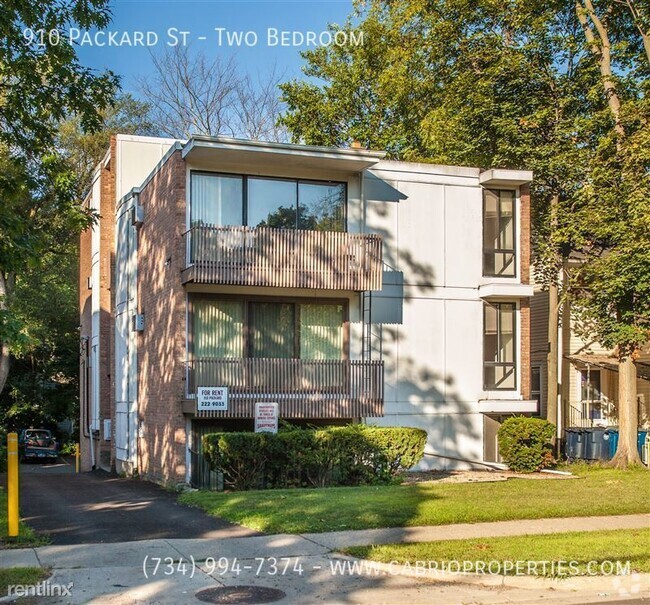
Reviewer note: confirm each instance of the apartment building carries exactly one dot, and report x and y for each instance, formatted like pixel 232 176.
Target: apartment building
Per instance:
pixel 342 286
pixel 587 372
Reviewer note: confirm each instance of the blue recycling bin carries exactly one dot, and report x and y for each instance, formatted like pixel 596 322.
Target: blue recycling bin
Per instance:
pixel 575 444
pixel 596 444
pixel 613 442
pixel 641 437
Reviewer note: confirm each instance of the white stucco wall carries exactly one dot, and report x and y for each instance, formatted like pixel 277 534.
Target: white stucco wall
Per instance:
pixel 431 220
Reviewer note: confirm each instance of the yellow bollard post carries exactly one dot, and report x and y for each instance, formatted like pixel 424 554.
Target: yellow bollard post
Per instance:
pixel 76 457
pixel 12 485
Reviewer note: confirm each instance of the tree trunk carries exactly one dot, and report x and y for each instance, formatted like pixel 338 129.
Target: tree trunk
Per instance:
pixel 6 289
pixel 602 50
pixel 641 27
pixel 551 358
pixel 628 415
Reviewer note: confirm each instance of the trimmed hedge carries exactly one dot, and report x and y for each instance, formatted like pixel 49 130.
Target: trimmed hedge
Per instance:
pixel 526 443
pixel 344 455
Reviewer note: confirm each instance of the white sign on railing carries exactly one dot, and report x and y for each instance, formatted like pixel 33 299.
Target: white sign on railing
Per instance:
pixel 212 399
pixel 266 417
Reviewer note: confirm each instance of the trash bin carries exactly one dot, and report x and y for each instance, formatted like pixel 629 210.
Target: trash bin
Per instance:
pixel 596 446
pixel 612 443
pixel 641 438
pixel 606 438
pixel 574 448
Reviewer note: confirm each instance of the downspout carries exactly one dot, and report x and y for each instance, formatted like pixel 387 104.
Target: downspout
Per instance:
pixel 92 444
pixel 560 361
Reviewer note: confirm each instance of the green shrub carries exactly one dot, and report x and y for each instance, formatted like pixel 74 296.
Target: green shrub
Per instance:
pixel 403 447
pixel 361 461
pixel 290 460
pixel 239 456
pixel 343 455
pixel 526 443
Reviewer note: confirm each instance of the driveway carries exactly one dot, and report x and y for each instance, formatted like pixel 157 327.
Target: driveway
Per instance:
pixel 96 507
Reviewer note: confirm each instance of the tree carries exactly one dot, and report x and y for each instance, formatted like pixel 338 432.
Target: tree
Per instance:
pixel 612 285
pixel 43 387
pixel 190 94
pixel 42 82
pixel 84 150
pixel 512 85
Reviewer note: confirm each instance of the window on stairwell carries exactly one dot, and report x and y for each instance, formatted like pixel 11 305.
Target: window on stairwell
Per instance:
pixel 499 346
pixel 499 258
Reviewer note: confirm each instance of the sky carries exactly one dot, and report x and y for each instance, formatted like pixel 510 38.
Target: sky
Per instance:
pixel 251 33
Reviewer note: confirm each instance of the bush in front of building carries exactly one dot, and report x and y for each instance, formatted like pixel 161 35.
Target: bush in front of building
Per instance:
pixel 318 457
pixel 526 444
pixel 240 456
pixel 403 447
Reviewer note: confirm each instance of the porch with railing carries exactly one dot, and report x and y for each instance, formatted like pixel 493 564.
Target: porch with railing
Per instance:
pixel 590 413
pixel 284 258
pixel 303 388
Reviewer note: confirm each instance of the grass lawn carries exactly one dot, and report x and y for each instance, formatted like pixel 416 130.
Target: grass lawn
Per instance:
pixel 20 575
pixel 26 535
pixel 598 491
pixel 582 547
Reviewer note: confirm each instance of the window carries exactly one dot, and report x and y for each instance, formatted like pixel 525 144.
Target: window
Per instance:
pixel 218 328
pixel 262 329
pixel 499 233
pixel 267 202
pixel 591 394
pixel 216 199
pixel 499 344
pixel 321 206
pixel 536 385
pixel 272 203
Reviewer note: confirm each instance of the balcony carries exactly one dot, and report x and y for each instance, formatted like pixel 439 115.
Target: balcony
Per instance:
pixel 303 388
pixel 283 258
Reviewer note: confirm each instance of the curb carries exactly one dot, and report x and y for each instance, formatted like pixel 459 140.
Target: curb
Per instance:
pixel 626 585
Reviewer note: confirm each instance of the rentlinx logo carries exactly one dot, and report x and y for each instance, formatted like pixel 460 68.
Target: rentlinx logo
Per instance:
pixel 42 589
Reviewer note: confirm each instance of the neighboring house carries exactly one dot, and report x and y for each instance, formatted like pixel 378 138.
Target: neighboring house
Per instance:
pixel 340 285
pixel 587 372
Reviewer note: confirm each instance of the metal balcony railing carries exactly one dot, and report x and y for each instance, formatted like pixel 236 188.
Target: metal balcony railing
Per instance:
pixel 283 258
pixel 303 388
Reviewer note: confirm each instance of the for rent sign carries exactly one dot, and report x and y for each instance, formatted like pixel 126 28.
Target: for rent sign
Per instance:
pixel 212 399
pixel 266 417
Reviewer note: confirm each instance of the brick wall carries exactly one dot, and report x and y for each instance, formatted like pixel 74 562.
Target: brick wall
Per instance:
pixel 106 320
pixel 161 346
pixel 524 247
pixel 106 317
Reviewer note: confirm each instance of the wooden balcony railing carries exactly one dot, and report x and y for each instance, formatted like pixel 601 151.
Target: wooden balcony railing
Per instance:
pixel 303 388
pixel 283 258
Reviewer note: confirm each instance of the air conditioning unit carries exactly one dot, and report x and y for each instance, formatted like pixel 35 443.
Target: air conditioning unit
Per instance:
pixel 138 322
pixel 137 215
pixel 107 429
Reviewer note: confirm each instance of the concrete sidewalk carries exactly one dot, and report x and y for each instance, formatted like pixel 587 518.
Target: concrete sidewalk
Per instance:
pixel 462 531
pixel 306 570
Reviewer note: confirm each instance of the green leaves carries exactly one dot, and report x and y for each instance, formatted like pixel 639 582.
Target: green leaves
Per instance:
pixel 515 85
pixel 44 83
